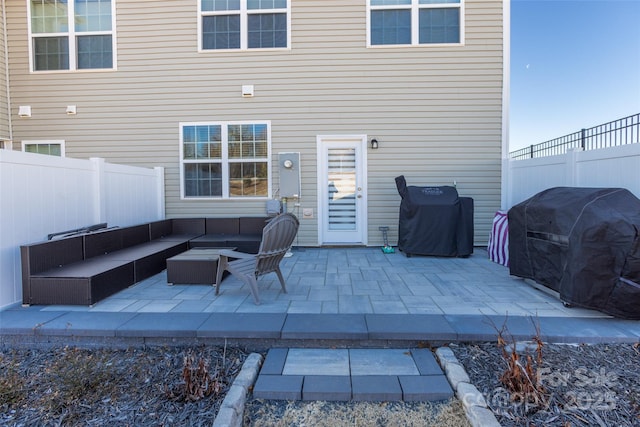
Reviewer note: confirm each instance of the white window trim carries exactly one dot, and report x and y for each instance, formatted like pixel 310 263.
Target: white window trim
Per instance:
pixel 60 142
pixel 72 41
pixel 415 23
pixel 224 160
pixel 244 13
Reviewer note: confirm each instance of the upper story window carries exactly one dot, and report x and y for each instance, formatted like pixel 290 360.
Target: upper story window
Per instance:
pixel 71 34
pixel 244 24
pixel 225 160
pixel 415 22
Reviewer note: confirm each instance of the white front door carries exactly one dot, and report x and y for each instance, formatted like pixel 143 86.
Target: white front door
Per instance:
pixel 342 189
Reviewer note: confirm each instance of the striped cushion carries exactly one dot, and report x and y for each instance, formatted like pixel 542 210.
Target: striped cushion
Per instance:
pixel 498 247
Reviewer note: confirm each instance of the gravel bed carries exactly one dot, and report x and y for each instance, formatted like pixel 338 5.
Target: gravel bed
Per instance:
pixel 582 385
pixel 99 387
pixel 262 413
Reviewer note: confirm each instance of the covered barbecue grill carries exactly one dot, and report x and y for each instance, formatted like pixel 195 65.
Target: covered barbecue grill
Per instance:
pixel 583 243
pixel 434 221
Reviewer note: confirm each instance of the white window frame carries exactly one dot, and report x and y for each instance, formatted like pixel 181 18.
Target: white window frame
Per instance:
pixel 71 34
pixel 224 160
pixel 59 142
pixel 415 8
pixel 244 13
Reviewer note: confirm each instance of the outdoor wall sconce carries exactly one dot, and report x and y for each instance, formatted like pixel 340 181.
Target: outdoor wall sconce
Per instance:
pixel 71 110
pixel 247 91
pixel 24 111
pixel 374 144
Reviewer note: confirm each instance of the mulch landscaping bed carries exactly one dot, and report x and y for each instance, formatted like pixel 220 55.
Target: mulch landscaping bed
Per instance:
pixel 141 387
pixel 577 385
pixel 585 385
pixel 164 386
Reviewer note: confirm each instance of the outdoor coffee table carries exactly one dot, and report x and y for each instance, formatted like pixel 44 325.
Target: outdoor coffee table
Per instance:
pixel 195 266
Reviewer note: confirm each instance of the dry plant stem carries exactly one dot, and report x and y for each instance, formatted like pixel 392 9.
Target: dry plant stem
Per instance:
pixel 197 382
pixel 522 380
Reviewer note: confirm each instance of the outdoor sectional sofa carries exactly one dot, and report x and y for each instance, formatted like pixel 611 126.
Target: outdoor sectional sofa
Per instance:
pixel 86 268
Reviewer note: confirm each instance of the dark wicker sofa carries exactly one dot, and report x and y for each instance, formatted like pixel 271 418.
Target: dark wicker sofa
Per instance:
pixel 244 233
pixel 83 269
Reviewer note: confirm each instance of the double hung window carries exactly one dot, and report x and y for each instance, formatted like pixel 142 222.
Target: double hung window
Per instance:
pixel 225 160
pixel 415 22
pixel 244 24
pixel 71 34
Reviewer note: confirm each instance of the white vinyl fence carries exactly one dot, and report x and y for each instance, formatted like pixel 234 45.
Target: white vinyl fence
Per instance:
pixel 607 167
pixel 42 194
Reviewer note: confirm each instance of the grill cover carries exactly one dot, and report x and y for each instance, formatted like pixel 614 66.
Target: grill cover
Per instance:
pixel 434 221
pixel 583 243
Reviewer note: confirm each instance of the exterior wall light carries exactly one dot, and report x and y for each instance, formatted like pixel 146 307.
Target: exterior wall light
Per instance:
pixel 247 91
pixel 374 144
pixel 71 110
pixel 24 111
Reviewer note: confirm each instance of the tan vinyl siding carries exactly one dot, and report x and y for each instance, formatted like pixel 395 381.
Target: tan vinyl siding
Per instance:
pixel 4 94
pixel 436 111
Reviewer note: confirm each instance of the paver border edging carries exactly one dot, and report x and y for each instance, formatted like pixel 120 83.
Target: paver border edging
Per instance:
pixel 475 406
pixel 231 411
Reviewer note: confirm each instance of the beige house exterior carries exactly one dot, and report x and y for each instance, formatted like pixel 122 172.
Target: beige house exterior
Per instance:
pixel 436 109
pixel 5 124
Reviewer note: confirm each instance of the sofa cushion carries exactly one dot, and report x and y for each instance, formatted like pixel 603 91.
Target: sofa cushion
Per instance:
pixel 243 243
pixel 223 226
pixel 140 251
pixel 53 253
pixel 252 225
pixel 81 283
pixel 176 230
pixel 102 242
pixel 210 241
pixel 148 258
pixel 249 243
pixel 185 226
pixel 159 229
pixel 84 269
pixel 135 235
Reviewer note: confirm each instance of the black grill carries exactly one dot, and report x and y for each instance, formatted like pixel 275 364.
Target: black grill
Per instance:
pixel 434 221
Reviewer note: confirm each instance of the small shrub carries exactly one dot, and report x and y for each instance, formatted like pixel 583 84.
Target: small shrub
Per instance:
pixel 521 377
pixel 197 383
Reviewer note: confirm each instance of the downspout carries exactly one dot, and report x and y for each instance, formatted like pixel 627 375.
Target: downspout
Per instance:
pixel 505 198
pixel 6 65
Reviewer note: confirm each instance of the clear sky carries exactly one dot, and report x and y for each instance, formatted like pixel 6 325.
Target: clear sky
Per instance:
pixel 574 64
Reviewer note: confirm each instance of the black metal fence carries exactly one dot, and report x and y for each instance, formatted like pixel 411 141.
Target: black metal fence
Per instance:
pixel 618 132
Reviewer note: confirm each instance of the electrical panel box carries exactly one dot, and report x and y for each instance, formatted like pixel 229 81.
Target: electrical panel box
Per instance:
pixel 289 172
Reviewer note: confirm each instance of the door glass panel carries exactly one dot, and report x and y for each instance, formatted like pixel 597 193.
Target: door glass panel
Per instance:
pixel 341 188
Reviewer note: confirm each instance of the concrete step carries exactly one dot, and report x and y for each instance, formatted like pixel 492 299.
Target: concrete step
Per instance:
pixel 355 374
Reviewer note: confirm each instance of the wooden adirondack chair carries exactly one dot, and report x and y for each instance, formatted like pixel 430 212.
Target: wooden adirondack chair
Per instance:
pixel 277 238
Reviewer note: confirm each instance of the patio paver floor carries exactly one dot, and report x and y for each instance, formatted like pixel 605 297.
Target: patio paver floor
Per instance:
pixel 354 280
